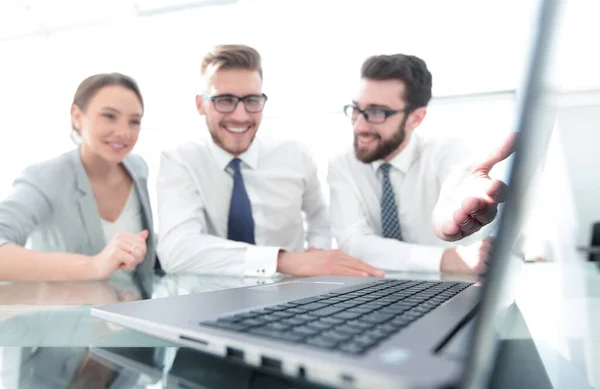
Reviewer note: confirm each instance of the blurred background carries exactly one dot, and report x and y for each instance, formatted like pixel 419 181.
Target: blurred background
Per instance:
pixel 312 51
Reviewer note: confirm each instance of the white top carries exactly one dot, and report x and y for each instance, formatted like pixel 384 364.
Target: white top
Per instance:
pixel 417 175
pixel 194 188
pixel 130 220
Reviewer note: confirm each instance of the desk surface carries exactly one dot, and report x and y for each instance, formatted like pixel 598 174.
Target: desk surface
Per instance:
pixel 48 337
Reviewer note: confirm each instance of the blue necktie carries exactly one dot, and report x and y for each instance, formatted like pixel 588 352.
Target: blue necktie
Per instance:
pixel 390 224
pixel 240 226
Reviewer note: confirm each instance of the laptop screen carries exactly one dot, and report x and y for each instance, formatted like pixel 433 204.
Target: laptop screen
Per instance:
pixel 534 124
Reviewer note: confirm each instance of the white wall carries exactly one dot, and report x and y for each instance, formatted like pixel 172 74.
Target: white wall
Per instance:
pixel 312 51
pixel 579 123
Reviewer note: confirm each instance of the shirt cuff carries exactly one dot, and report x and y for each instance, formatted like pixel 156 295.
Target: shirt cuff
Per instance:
pixel 261 261
pixel 426 258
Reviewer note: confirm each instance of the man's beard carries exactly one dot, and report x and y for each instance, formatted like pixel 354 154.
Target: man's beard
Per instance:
pixel 216 134
pixel 384 147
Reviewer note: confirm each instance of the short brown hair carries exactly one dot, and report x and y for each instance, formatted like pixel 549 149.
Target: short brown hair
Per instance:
pixel 91 85
pixel 232 57
pixel 411 70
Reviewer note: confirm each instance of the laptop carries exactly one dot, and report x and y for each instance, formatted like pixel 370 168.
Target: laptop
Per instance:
pixel 371 333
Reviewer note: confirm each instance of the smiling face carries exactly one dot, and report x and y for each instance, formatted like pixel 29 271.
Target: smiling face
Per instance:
pixel 234 131
pixel 374 141
pixel 109 125
pixel 391 103
pixel 383 140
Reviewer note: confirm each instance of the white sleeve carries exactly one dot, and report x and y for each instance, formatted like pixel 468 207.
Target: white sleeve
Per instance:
pixel 357 238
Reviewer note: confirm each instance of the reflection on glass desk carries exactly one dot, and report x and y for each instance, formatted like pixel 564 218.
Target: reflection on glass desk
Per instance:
pixel 49 339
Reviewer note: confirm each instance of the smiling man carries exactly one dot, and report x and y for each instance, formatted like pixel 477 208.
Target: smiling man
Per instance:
pixel 235 204
pixel 385 191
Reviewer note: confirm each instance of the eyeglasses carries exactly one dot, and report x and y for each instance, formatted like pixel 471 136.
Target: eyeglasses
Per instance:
pixel 228 103
pixel 371 115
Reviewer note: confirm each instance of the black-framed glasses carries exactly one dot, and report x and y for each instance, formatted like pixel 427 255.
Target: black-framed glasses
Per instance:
pixel 371 115
pixel 228 103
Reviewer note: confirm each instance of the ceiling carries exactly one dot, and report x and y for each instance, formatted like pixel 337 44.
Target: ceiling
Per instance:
pixel 26 18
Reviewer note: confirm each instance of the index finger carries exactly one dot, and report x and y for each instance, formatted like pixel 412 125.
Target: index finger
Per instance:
pixel 500 154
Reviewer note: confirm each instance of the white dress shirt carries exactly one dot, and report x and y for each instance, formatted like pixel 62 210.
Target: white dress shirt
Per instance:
pixel 194 188
pixel 417 175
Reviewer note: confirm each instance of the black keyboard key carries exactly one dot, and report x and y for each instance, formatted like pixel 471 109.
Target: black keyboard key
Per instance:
pixel 421 309
pixel 246 315
pixel 277 308
pixel 379 303
pixel 253 322
pixel 363 299
pixel 388 328
pixel 269 318
pixel 306 300
pixel 370 306
pixel 376 318
pixel 393 310
pixel 297 311
pixel 268 333
pixel 227 325
pixel 322 343
pixel 360 310
pixel 277 326
pixel 365 340
pixel 333 300
pixel 346 329
pixel 293 321
pixel 401 321
pixel 332 320
pixel 326 311
pixel 360 324
pixel 389 299
pixel 319 325
pixel 414 315
pixel 283 315
pixel 230 319
pixel 306 317
pixel 347 315
pixel 378 333
pixel 336 336
pixel 313 306
pixel 306 331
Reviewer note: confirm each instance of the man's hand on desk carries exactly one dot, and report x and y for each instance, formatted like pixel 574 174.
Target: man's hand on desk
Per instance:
pixel 469 199
pixel 467 259
pixel 324 263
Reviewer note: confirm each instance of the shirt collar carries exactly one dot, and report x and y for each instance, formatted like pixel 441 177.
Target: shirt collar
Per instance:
pixel 248 157
pixel 404 159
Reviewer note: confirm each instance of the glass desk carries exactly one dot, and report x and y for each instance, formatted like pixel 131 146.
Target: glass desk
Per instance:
pixel 48 338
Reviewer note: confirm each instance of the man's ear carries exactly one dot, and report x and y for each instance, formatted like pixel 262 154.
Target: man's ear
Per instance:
pixel 200 104
pixel 415 118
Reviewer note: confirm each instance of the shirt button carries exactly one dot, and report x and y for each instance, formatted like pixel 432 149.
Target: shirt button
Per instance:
pixel 263 270
pixel 257 270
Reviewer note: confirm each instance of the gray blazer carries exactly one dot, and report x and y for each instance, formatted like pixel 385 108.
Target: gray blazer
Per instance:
pixel 52 204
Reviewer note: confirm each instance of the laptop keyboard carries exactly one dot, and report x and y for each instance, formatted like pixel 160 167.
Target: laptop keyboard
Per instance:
pixel 351 322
